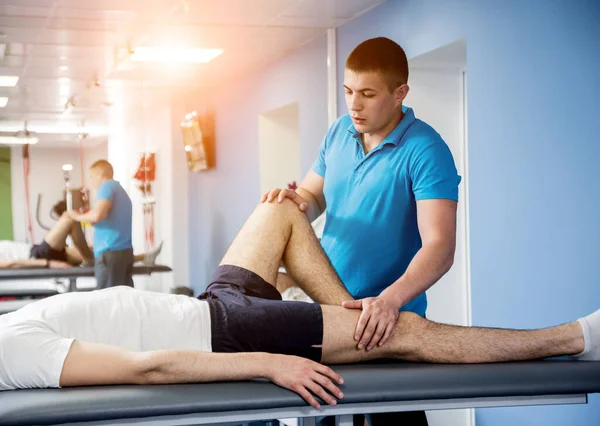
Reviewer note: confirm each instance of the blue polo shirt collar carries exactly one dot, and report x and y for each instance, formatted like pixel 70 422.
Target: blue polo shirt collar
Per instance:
pixel 395 135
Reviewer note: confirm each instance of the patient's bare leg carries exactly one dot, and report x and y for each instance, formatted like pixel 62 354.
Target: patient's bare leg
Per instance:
pixel 73 256
pixel 418 339
pixel 280 231
pixel 57 238
pixel 80 243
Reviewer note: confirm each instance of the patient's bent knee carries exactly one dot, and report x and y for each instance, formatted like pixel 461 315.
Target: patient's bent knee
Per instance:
pixel 287 208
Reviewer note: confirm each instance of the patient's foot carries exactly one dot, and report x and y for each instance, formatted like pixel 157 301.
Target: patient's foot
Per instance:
pixel 591 336
pixel 88 262
pixel 150 257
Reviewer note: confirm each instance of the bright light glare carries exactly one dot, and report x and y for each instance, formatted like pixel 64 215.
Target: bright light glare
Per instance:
pixel 174 55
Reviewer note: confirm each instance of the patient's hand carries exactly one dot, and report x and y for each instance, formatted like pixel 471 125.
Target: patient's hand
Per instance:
pixel 306 378
pixel 282 194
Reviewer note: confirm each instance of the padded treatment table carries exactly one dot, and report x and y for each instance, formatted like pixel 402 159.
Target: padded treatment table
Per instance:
pixel 368 388
pixel 32 288
pixel 18 282
pixel 71 273
pixel 75 272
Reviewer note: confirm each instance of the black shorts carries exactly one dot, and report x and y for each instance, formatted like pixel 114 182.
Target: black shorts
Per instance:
pixel 44 251
pixel 248 315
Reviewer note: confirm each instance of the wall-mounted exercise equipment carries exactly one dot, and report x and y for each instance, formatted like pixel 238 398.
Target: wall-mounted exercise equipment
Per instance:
pixel 144 176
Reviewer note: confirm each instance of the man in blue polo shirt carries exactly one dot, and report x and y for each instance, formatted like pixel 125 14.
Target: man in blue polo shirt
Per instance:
pixel 112 220
pixel 389 187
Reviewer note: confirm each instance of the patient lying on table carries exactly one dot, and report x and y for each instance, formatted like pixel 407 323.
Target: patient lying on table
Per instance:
pixel 53 251
pixel 240 328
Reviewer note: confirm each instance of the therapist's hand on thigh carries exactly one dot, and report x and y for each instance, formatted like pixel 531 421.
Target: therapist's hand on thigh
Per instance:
pixel 282 194
pixel 305 377
pixel 376 322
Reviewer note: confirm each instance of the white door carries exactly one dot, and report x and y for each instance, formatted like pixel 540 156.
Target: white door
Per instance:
pixel 279 148
pixel 438 96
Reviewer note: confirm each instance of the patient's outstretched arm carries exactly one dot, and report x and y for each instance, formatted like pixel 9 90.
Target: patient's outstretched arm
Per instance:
pixel 32 263
pixel 115 366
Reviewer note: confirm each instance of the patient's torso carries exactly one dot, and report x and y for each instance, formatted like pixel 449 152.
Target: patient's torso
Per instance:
pixel 122 316
pixel 11 250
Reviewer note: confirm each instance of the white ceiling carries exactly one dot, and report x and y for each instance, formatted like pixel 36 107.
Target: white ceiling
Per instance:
pixel 91 38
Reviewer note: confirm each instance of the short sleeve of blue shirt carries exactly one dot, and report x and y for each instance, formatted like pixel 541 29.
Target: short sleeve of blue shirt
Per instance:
pixel 319 165
pixel 105 191
pixel 434 174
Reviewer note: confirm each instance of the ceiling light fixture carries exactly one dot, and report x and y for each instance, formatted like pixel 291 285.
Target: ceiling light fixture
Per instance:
pixel 58 128
pixel 21 137
pixel 15 140
pixel 174 55
pixel 3 101
pixel 8 80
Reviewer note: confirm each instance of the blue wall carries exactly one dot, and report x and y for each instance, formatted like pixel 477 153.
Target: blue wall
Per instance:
pixel 222 199
pixel 533 108
pixel 533 104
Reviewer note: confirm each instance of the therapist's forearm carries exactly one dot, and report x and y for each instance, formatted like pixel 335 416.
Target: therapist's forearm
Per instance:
pixel 314 210
pixel 430 263
pixel 89 217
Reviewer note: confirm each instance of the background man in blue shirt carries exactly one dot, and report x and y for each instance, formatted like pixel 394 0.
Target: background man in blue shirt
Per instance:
pixel 112 220
pixel 389 187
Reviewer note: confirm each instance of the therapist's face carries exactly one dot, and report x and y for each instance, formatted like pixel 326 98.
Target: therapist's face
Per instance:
pixel 370 101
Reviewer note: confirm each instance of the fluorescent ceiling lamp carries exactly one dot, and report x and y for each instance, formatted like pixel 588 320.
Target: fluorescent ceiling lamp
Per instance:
pixel 67 167
pixel 14 140
pixel 55 129
pixel 174 55
pixel 8 80
pixel 3 101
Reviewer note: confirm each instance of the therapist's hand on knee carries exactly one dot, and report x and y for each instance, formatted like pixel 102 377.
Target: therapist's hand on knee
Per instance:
pixel 282 194
pixel 305 377
pixel 376 323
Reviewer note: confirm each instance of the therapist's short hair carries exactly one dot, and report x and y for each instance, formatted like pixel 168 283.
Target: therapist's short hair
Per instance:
pixel 105 167
pixel 380 55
